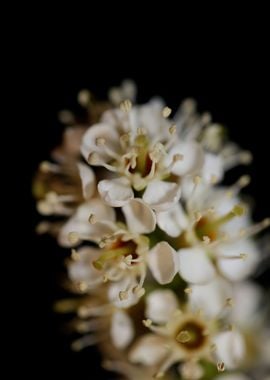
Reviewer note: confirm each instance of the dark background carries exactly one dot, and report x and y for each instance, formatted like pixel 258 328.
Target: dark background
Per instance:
pixel 233 90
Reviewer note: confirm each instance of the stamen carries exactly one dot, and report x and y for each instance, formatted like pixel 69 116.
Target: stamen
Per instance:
pixel 100 141
pixel 92 219
pixel 166 112
pixel 229 302
pixel 141 131
pixel 220 367
pixel 206 240
pixel 84 98
pixel 126 106
pixel 172 129
pixel 123 295
pixel 147 322
pixel 94 159
pixel 138 291
pixel 85 341
pixel 188 290
pixel 48 167
pixel 75 256
pixel 242 256
pixel 73 237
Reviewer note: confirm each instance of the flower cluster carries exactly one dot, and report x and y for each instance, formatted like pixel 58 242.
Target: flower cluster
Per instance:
pixel 161 249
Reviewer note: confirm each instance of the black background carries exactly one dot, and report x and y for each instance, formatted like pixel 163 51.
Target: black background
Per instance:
pixel 231 88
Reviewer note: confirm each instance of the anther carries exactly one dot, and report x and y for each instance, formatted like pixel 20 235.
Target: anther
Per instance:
pixel 172 129
pixel 126 106
pixel 123 295
pixel 166 112
pixel 220 367
pixel 73 237
pixel 147 322
pixel 100 141
pixel 84 98
pixel 75 255
pixel 92 219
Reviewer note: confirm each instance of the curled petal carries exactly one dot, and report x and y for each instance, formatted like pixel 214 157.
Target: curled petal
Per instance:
pixel 115 192
pixel 100 131
pixel 172 221
pixel 88 180
pixel 162 263
pixel 139 217
pixel 161 195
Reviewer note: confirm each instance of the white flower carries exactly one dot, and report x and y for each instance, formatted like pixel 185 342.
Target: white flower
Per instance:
pixel 182 335
pixel 139 147
pixel 211 236
pixel 124 254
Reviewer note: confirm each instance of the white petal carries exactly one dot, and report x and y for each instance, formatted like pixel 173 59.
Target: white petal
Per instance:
pixel 103 131
pixel 116 287
pixel 210 298
pixel 139 216
pixel 161 260
pixel 122 330
pixel 149 350
pixel 193 158
pixel 195 266
pixel 247 297
pixel 238 269
pixel 88 180
pixel 115 192
pixel 160 305
pixel 212 168
pixel 230 348
pixel 161 195
pixel 233 376
pixel 172 221
pixel 82 269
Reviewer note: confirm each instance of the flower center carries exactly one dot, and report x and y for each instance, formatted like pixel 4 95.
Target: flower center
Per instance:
pixel 191 335
pixel 116 250
pixel 207 227
pixel 143 160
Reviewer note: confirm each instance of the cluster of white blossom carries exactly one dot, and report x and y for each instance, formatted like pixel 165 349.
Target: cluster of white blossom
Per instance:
pixel 161 252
